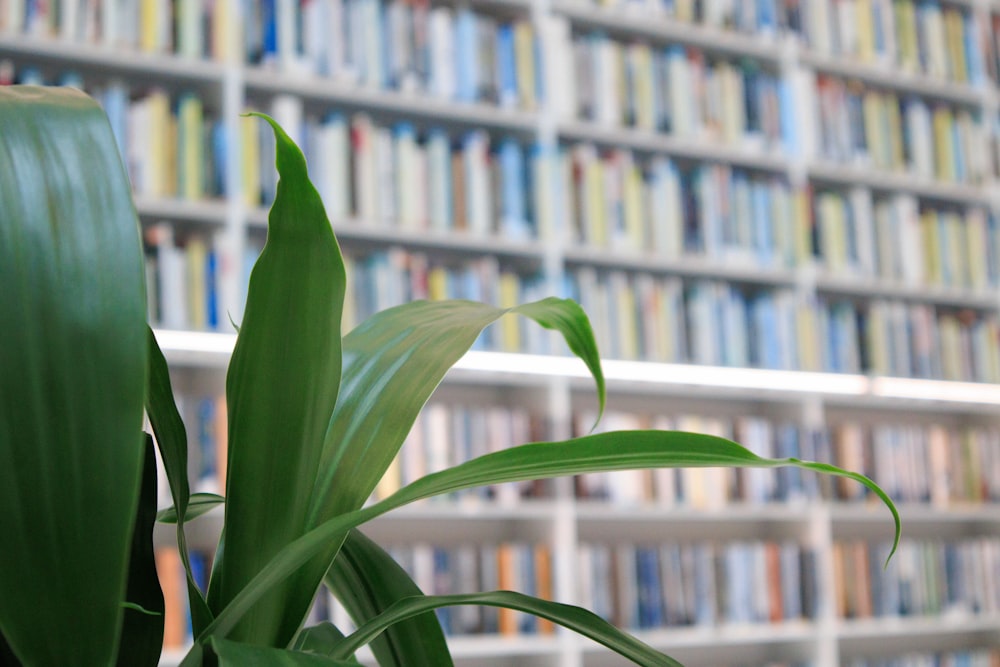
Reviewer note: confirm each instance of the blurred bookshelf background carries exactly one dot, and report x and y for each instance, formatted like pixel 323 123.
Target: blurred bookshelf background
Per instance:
pixel 781 216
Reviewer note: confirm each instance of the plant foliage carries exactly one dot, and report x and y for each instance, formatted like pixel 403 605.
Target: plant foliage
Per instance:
pixel 314 421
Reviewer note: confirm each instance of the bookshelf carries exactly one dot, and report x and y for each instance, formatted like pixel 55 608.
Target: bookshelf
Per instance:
pixel 785 281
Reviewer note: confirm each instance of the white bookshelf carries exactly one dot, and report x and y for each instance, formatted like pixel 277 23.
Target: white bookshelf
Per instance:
pixel 560 383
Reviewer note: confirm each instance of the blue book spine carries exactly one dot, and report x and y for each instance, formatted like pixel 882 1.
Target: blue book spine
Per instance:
pixel 269 27
pixel 528 623
pixel 506 67
pixel 513 221
pixel 114 99
pixel 212 293
pixel 959 153
pixel 973 55
pixel 442 586
pixel 650 590
pixel 762 219
pixel 207 465
pixel 467 56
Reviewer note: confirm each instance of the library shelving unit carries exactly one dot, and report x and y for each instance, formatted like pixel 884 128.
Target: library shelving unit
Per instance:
pixel 782 217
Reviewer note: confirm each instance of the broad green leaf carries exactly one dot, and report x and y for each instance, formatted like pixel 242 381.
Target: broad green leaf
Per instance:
pixel 233 654
pixel 320 638
pixel 367 581
pixel 281 390
pixel 198 504
pixel 171 439
pixel 579 620
pixel 392 364
pixel 615 450
pixel 72 313
pixel 142 629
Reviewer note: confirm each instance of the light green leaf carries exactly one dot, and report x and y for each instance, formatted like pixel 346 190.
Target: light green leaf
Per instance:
pixel 579 620
pixel 616 450
pixel 281 390
pixel 72 313
pixel 171 438
pixel 142 628
pixel 367 581
pixel 233 654
pixel 321 639
pixel 198 504
pixel 392 364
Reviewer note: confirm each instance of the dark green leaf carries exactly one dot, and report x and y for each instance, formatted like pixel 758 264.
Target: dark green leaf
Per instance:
pixel 7 658
pixel 199 503
pixel 281 390
pixel 321 639
pixel 142 628
pixel 579 620
pixel 367 581
pixel 232 654
pixel 171 438
pixel 72 313
pixel 616 450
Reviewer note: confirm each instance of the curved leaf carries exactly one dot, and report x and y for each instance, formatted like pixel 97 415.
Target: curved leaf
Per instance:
pixel 281 390
pixel 577 619
pixel 392 364
pixel 171 439
pixel 199 503
pixel 615 450
pixel 72 313
pixel 142 628
pixel 320 638
pixel 367 581
pixel 233 654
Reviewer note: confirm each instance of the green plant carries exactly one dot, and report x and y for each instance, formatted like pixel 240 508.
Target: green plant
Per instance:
pixel 314 420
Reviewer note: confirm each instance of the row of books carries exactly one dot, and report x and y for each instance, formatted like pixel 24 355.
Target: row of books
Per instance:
pixel 171 144
pixel 921 341
pixel 641 586
pixel 965 658
pixel 399 175
pixel 758 16
pixel 670 319
pixel 860 124
pixel 521 566
pixel 676 90
pixel 935 464
pixel 923 578
pixel 446 435
pixel 932 39
pixel 382 279
pixel 189 28
pixel 448 53
pixel 922 463
pixel 181 280
pixel 899 239
pixel 616 200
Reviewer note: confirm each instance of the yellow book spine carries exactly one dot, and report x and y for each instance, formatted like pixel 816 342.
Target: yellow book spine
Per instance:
pixel 944 150
pixel 597 231
pixel 196 256
pixel 510 287
pixel 643 70
pixel 932 258
pixel 634 208
pixel 192 135
pixel 161 144
pixel 524 57
pixel 250 161
pixel 437 284
pixel 866 30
